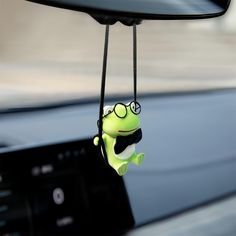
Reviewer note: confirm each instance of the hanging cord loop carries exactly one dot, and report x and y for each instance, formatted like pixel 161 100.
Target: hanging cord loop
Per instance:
pixel 102 94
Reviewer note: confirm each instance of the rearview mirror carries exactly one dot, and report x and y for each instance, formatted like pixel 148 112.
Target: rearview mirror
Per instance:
pixel 145 9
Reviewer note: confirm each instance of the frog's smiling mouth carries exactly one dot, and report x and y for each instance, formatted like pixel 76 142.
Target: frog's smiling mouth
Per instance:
pixel 126 131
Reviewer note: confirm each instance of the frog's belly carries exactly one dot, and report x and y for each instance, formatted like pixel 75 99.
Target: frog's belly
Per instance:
pixel 127 153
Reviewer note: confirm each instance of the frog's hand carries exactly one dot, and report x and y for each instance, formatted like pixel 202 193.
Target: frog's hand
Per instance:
pixel 96 139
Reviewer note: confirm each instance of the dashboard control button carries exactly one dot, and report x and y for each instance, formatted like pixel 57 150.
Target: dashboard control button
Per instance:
pixel 65 221
pixel 46 169
pixel 58 196
pixel 42 170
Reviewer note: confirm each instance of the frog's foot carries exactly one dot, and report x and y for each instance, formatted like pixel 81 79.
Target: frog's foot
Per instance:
pixel 122 169
pixel 138 159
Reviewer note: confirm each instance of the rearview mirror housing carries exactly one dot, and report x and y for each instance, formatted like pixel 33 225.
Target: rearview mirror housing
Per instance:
pixel 144 9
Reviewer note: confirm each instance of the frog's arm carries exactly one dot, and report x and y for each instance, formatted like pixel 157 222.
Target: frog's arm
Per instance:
pixel 96 139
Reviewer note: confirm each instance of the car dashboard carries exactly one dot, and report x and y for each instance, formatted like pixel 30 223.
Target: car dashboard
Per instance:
pixel 60 190
pixel 54 181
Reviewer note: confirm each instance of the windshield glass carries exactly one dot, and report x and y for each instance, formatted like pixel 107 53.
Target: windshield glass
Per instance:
pixel 51 55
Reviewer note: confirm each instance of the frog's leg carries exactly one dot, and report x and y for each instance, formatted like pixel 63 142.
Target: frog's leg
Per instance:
pixel 120 166
pixel 123 168
pixel 137 159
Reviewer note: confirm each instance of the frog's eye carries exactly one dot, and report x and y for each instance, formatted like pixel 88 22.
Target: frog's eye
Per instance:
pixel 107 110
pixel 135 107
pixel 120 110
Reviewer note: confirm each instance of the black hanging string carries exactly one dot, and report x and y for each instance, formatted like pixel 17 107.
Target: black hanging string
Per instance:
pixel 135 60
pixel 103 83
pixel 102 95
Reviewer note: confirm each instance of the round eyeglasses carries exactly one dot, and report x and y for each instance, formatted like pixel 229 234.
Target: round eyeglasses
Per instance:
pixel 120 109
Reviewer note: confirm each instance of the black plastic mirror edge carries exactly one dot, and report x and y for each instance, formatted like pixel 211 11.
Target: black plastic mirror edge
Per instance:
pixel 115 15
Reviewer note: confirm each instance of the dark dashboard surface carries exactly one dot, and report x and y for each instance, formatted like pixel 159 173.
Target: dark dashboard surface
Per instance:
pixel 189 145
pixel 64 189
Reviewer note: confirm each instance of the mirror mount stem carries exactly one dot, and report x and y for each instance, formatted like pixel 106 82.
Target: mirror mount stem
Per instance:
pixel 111 20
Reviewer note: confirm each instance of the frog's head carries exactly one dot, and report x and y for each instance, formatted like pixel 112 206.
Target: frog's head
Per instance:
pixel 121 119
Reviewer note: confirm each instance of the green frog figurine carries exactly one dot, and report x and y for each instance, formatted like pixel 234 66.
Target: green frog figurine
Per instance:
pixel 121 132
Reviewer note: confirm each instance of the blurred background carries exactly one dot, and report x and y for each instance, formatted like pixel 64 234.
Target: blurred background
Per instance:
pixel 50 55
